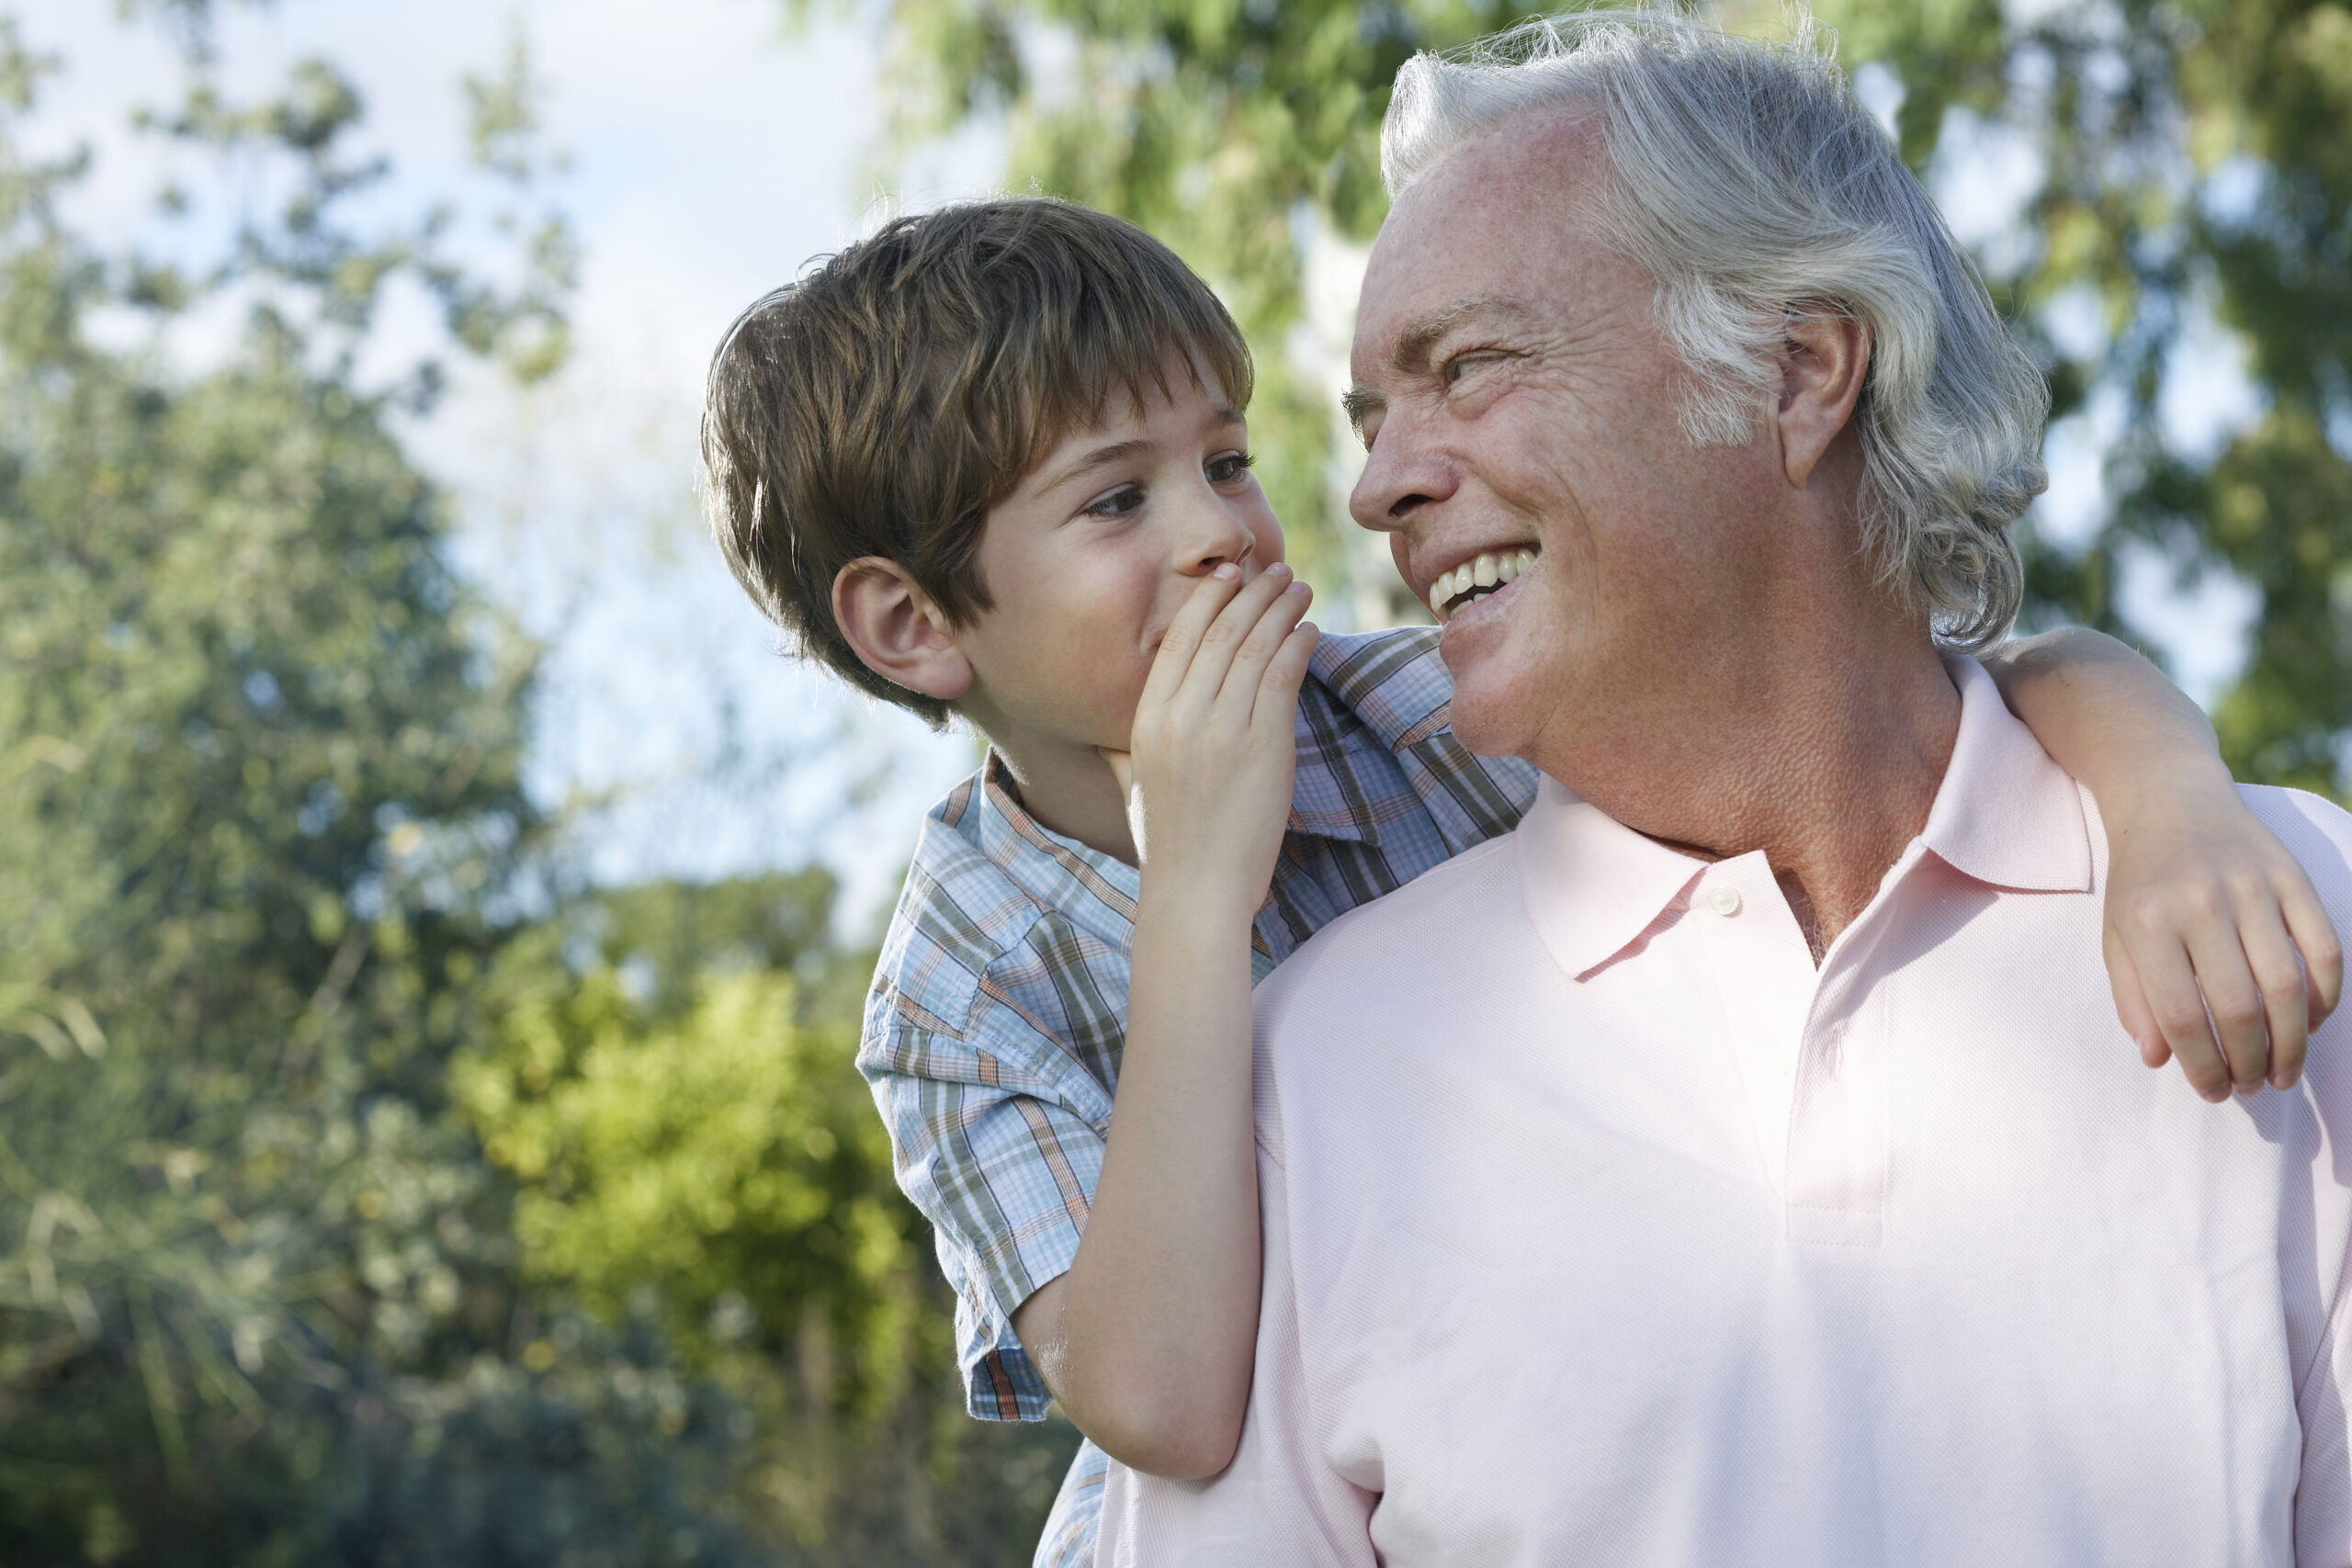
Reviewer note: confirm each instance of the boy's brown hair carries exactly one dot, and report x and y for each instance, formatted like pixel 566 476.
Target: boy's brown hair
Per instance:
pixel 882 405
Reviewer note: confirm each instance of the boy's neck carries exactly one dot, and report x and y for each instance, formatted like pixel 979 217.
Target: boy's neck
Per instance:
pixel 1070 790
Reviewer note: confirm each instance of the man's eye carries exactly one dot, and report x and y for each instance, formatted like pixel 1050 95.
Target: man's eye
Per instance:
pixel 1117 502
pixel 1227 467
pixel 1462 364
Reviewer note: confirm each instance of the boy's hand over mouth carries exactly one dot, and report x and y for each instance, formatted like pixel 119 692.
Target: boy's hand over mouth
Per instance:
pixel 1209 772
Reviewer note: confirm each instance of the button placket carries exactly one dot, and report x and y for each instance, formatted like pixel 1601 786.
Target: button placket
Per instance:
pixel 1765 976
pixel 1837 1119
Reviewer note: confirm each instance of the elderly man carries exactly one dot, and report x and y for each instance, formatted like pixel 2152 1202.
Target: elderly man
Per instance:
pixel 1741 1164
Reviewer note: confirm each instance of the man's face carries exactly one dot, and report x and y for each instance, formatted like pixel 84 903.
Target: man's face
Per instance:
pixel 1519 402
pixel 1094 552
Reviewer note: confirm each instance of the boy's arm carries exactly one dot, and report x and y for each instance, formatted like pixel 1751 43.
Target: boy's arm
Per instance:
pixel 992 1129
pixel 2201 897
pixel 1146 1342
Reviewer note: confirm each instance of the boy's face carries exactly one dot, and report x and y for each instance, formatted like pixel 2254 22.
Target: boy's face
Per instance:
pixel 1091 558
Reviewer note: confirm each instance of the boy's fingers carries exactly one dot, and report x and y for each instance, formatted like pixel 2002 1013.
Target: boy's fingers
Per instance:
pixel 2235 1005
pixel 2132 1003
pixel 1277 695
pixel 2315 937
pixel 1182 638
pixel 2171 989
pixel 2278 975
pixel 1247 674
pixel 1226 634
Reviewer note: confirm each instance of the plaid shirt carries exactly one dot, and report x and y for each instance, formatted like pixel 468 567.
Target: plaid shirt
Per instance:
pixel 992 1033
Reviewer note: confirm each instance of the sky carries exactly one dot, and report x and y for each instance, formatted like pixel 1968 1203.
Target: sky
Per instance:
pixel 712 152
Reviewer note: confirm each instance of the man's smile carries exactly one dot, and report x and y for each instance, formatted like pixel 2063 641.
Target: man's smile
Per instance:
pixel 1483 576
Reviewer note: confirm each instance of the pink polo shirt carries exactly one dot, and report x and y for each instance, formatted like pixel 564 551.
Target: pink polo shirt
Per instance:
pixel 1601 1227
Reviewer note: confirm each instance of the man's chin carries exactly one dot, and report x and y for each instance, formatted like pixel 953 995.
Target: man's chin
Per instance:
pixel 1483 723
pixel 1485 711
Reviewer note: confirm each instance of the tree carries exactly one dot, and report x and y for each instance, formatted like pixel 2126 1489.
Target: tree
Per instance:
pixel 694 1148
pixel 261 825
pixel 2194 157
pixel 631 1285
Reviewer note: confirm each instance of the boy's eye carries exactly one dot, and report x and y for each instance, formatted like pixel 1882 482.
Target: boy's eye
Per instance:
pixel 1117 502
pixel 1227 467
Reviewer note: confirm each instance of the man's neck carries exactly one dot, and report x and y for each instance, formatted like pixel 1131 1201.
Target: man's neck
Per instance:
pixel 1827 765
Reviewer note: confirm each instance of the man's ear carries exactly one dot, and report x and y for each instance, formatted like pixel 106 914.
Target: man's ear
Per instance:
pixel 1825 363
pixel 897 630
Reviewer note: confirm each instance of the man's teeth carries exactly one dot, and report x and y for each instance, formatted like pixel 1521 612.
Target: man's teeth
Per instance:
pixel 1487 572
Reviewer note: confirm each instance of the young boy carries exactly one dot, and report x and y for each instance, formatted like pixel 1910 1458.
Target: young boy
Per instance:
pixel 992 464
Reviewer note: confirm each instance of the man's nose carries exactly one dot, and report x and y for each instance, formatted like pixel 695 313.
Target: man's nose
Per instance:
pixel 1401 475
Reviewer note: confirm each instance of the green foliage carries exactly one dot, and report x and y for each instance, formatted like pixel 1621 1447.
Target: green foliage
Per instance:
pixel 630 1285
pixel 693 1149
pixel 724 1158
pixel 1235 128
pixel 234 661
pixel 341 275
pixel 2197 158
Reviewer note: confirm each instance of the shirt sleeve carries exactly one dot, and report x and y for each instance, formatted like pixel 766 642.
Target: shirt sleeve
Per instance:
pixel 1280 1504
pixel 1003 1160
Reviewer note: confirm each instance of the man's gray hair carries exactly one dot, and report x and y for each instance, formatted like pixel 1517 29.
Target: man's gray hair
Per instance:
pixel 1746 179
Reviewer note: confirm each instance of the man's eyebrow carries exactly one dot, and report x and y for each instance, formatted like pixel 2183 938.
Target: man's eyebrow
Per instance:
pixel 1413 344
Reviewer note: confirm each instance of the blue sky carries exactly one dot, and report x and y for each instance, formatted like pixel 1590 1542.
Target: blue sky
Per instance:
pixel 712 152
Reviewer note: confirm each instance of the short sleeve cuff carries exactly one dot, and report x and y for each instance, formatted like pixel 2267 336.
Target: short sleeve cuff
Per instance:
pixel 1001 1383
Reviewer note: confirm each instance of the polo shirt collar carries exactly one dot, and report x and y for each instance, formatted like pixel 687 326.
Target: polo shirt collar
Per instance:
pixel 1388 688
pixel 1096 891
pixel 1592 884
pixel 2005 814
pixel 1361 672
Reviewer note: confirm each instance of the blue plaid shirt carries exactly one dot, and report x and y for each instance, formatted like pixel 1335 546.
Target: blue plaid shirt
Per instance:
pixel 992 1033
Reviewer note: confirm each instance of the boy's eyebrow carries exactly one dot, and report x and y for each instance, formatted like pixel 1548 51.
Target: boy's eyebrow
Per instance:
pixel 1115 452
pixel 1101 456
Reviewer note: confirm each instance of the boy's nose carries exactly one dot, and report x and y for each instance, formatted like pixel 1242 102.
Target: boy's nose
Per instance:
pixel 1212 535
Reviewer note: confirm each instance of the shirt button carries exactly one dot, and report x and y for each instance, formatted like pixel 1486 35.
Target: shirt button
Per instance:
pixel 1724 898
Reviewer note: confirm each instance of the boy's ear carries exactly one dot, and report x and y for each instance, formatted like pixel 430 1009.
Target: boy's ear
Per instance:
pixel 896 629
